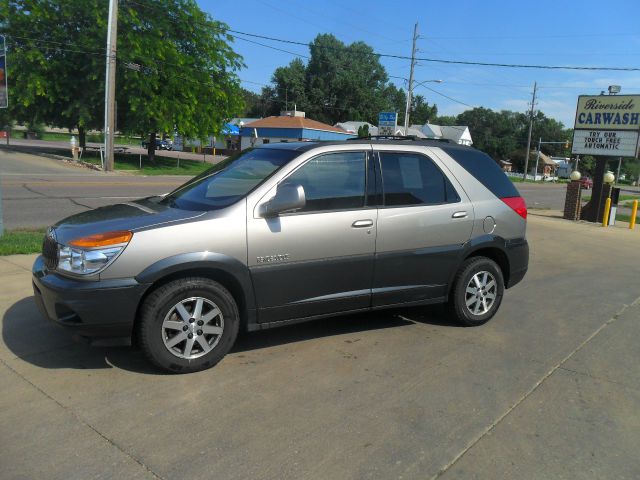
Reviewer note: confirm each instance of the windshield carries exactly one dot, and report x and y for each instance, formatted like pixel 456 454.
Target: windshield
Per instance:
pixel 230 180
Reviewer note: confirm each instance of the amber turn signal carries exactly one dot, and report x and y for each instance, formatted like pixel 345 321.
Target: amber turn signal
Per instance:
pixel 103 239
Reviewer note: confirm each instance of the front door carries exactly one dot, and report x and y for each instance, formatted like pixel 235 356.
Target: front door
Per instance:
pixel 317 260
pixel 422 225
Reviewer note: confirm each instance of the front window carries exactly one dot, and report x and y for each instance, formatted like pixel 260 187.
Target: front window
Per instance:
pixel 229 181
pixel 334 181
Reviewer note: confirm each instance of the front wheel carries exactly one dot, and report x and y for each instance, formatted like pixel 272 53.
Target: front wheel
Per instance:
pixel 477 291
pixel 188 325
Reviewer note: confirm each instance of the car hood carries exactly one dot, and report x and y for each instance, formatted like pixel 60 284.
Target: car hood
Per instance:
pixel 134 216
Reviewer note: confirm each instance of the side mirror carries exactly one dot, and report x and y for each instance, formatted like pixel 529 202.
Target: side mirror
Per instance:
pixel 287 198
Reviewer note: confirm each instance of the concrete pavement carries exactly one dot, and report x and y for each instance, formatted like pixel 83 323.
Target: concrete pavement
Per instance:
pixel 548 389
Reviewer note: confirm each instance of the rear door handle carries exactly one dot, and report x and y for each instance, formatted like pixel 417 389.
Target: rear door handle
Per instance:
pixel 362 224
pixel 459 215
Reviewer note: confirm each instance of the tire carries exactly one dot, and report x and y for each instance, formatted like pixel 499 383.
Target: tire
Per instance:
pixel 175 337
pixel 469 307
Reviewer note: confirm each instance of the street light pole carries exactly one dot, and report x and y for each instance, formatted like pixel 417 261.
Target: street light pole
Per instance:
pixel 533 104
pixel 110 86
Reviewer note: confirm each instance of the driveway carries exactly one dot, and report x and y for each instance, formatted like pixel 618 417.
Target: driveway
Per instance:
pixel 550 388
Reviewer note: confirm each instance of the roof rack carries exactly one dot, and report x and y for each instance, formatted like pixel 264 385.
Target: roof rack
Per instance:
pixel 386 137
pixel 412 138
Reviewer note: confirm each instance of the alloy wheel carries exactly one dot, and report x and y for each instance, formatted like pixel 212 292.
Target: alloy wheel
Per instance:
pixel 481 292
pixel 192 328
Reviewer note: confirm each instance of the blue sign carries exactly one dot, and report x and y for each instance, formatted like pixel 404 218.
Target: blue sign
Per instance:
pixel 387 119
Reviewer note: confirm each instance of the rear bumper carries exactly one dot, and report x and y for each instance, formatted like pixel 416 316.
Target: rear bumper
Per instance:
pixel 98 310
pixel 518 253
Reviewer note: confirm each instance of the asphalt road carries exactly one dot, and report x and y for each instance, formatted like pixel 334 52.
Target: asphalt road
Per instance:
pixel 549 389
pixel 38 191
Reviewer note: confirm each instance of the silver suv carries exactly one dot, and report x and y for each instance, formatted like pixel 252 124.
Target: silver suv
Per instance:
pixel 285 233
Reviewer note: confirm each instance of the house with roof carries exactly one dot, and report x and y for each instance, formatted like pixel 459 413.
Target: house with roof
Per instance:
pixel 353 126
pixel 412 131
pixel 544 164
pixel 458 133
pixel 290 126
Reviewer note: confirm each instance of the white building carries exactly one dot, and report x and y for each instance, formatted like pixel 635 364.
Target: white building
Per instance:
pixel 353 126
pixel 458 133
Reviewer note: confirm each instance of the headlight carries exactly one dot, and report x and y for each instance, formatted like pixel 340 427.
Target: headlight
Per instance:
pixel 91 254
pixel 84 262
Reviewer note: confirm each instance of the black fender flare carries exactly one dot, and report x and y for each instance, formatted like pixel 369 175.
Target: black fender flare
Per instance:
pixel 479 243
pixel 202 261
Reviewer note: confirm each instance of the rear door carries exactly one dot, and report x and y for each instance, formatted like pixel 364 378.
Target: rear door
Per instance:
pixel 424 221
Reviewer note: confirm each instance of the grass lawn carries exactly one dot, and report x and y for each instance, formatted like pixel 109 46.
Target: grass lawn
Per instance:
pixel 98 138
pixel 622 198
pixel 161 166
pixel 623 217
pixel 21 240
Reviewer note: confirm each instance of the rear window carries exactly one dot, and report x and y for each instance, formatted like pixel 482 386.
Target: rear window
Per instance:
pixel 412 179
pixel 485 169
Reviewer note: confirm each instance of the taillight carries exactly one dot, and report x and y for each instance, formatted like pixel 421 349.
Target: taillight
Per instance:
pixel 517 204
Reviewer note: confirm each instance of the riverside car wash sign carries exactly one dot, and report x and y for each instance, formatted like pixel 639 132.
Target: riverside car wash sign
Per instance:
pixel 607 125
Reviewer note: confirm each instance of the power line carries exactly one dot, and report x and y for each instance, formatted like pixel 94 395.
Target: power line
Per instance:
pixel 424 59
pixel 273 48
pixel 447 96
pixel 456 62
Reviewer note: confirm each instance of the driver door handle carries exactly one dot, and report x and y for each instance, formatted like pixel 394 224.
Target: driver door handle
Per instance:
pixel 362 224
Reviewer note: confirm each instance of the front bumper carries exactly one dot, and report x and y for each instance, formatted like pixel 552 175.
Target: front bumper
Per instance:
pixel 97 310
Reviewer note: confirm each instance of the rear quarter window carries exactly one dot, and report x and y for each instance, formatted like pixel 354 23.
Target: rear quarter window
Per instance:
pixel 485 169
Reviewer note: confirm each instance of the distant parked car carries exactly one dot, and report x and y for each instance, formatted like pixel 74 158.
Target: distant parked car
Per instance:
pixel 160 144
pixel 586 183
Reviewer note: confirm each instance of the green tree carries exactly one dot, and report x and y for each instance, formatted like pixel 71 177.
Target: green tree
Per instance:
pixel 344 81
pixel 176 68
pixel 421 112
pixel 503 134
pixel 340 82
pixel 363 131
pixel 252 104
pixel 56 66
pixel 290 88
pixel 187 79
pixel 447 120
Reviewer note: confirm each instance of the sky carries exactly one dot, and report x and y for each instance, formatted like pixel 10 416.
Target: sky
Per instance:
pixel 581 33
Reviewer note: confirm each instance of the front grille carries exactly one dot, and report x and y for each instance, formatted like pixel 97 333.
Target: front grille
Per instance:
pixel 50 252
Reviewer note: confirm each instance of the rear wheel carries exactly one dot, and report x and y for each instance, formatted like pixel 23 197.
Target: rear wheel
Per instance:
pixel 188 324
pixel 477 291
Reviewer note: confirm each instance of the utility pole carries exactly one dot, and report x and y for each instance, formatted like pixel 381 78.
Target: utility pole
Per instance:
pixel 410 86
pixel 110 86
pixel 533 106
